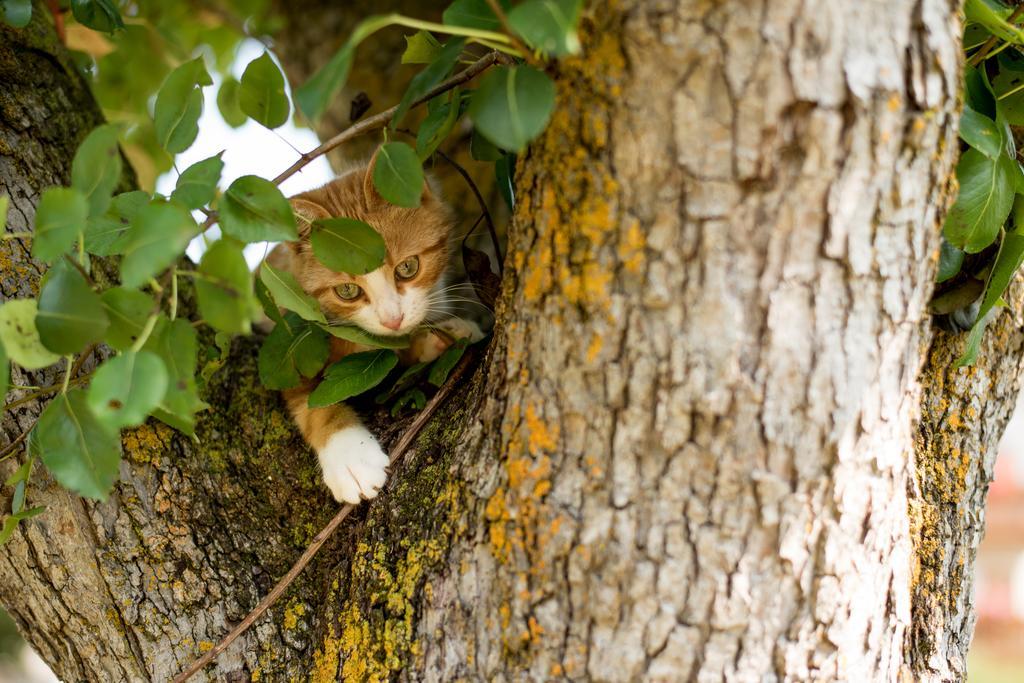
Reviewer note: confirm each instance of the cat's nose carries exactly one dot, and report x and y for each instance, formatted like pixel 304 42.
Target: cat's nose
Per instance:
pixel 393 323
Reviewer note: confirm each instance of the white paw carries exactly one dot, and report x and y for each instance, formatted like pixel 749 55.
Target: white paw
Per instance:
pixel 459 329
pixel 353 464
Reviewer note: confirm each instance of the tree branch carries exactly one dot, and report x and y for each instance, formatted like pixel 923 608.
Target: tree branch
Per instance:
pixel 483 207
pixel 517 42
pixel 396 454
pixel 381 120
pixel 980 55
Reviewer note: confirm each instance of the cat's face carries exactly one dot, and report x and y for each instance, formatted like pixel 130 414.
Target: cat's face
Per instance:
pixel 405 291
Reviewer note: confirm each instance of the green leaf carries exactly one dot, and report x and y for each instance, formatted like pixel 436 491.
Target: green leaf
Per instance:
pixel 12 521
pixel 125 389
pixel 421 48
pixel 986 194
pixel 70 315
pixel 358 335
pixel 18 481
pixel 254 210
pixel 433 74
pixel 548 25
pixel 409 377
pixel 347 245
pixel 225 289
pixel 266 302
pixel 175 343
pixel 288 293
pixel 4 204
pixel 482 149
pixel 107 235
pixel 973 346
pixel 262 95
pixel 21 338
pixel 16 13
pixel 291 351
pixel 980 132
pixel 5 372
pixel 512 105
pixel 504 173
pixel 157 238
pixel 352 375
pixel 435 128
pixel 216 360
pixel 950 260
pixel 179 105
pixel 314 96
pixel 82 453
pixel 442 367
pixel 1008 260
pixel 992 15
pixel 227 103
pixel 197 184
pixel 128 310
pixel 1011 105
pixel 473 14
pixel 414 397
pixel 60 217
pixel 978 92
pixel 398 174
pixel 101 15
pixel 96 169
pixel 20 474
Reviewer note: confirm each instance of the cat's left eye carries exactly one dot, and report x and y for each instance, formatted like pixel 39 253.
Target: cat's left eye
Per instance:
pixel 408 268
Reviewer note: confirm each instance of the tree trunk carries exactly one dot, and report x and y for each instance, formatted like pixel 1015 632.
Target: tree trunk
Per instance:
pixel 692 451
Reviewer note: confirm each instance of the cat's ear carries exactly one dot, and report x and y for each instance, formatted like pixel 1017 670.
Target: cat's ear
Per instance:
pixel 374 198
pixel 306 212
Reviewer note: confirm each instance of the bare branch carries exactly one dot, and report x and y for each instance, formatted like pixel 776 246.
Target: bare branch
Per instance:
pixel 396 454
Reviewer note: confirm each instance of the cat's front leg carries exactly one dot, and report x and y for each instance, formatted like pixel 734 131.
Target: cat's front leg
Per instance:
pixel 353 464
pixel 428 344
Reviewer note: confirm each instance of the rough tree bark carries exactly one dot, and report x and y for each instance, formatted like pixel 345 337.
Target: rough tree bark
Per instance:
pixel 692 451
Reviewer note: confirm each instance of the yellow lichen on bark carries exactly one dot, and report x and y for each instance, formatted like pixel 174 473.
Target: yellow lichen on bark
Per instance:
pixel 948 474
pixel 570 246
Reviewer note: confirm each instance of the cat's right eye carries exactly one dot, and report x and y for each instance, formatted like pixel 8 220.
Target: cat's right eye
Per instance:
pixel 348 291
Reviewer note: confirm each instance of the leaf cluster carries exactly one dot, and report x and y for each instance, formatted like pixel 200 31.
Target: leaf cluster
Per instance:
pixel 150 69
pixel 983 237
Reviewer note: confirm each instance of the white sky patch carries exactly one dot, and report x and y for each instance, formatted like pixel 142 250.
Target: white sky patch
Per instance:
pixel 250 149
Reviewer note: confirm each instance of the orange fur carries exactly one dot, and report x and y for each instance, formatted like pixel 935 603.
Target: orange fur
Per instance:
pixel 423 232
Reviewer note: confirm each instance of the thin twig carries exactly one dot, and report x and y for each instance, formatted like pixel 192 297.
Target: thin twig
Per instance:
pixel 471 231
pixel 499 12
pixel 80 269
pixel 382 119
pixel 21 437
pixel 396 454
pixel 483 207
pixel 378 121
pixel 981 54
pixel 54 388
pixel 45 391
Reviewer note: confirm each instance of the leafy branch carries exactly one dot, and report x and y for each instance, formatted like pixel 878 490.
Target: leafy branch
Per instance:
pixel 152 371
pixel 983 236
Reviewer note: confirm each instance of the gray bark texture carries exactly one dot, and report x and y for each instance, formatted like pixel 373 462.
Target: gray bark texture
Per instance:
pixel 714 438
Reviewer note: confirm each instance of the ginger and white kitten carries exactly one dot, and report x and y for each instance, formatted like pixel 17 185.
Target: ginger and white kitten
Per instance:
pixel 396 299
